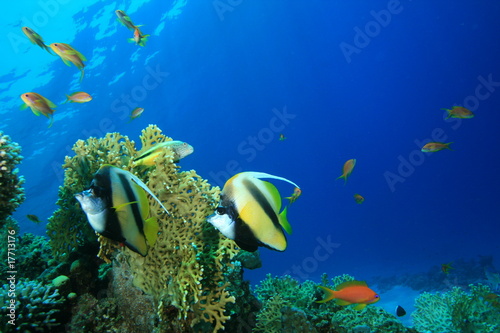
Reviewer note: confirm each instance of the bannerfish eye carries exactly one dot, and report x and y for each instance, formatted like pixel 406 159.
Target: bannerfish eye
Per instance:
pixel 220 210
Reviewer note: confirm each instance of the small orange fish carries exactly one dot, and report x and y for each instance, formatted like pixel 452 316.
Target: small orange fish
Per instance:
pixel 35 38
pixel 136 113
pixel 139 38
pixel 459 112
pixel 351 292
pixel 39 105
pixel 69 56
pixel 78 97
pixel 296 194
pixel 347 169
pixel 446 268
pixel 359 199
pixel 433 147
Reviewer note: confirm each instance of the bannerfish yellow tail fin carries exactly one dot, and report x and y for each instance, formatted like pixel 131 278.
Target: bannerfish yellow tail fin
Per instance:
pixel 284 221
pixel 151 229
pixel 329 294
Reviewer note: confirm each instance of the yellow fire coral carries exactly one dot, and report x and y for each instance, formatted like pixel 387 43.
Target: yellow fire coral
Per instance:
pixel 185 270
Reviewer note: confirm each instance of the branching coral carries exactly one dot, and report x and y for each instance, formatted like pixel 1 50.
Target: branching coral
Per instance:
pixel 11 191
pixel 456 311
pixel 185 270
pixel 38 307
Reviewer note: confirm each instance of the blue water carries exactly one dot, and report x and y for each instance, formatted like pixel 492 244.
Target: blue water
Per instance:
pixel 231 76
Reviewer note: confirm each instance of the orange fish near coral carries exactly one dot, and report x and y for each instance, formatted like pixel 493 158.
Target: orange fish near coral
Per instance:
pixel 35 38
pixel 70 56
pixel 433 147
pixel 39 105
pixel 78 97
pixel 347 169
pixel 351 292
pixel 359 199
pixel 446 268
pixel 459 112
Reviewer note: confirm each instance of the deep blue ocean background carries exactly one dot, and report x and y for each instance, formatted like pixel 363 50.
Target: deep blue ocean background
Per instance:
pixel 231 76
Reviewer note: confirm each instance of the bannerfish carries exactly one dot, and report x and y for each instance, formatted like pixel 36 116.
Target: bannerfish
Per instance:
pixel 433 147
pixel 351 292
pixel 249 212
pixel 35 38
pixel 117 207
pixel 347 169
pixel 39 105
pixel 179 148
pixel 459 112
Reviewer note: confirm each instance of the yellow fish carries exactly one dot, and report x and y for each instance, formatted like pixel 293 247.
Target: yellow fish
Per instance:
pixel 347 169
pixel 78 97
pixel 70 56
pixel 124 19
pixel 179 148
pixel 459 112
pixel 39 105
pixel 35 38
pixel 433 147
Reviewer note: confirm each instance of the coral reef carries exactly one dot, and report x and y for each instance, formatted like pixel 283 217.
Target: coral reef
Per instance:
pixel 457 311
pixel 11 191
pixel 39 307
pixel 185 272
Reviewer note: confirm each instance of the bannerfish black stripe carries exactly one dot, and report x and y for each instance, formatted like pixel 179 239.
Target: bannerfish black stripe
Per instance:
pixel 262 201
pixel 131 196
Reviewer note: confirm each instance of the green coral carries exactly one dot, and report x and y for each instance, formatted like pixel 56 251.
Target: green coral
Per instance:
pixel 186 270
pixel 11 190
pixel 39 307
pixel 457 311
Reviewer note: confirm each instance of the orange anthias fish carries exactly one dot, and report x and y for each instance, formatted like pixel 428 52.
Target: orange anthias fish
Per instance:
pixel 124 19
pixel 69 55
pixel 459 112
pixel 296 194
pixel 351 292
pixel 139 38
pixel 136 113
pixel 282 137
pixel 446 268
pixel 78 97
pixel 39 105
pixel 433 147
pixel 35 38
pixel 359 199
pixel 347 169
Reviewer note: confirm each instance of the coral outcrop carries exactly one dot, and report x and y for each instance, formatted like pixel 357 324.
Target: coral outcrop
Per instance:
pixel 457 311
pixel 11 190
pixel 185 272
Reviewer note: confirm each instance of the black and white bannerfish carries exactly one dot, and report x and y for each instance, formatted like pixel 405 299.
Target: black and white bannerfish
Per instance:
pixel 117 207
pixel 249 212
